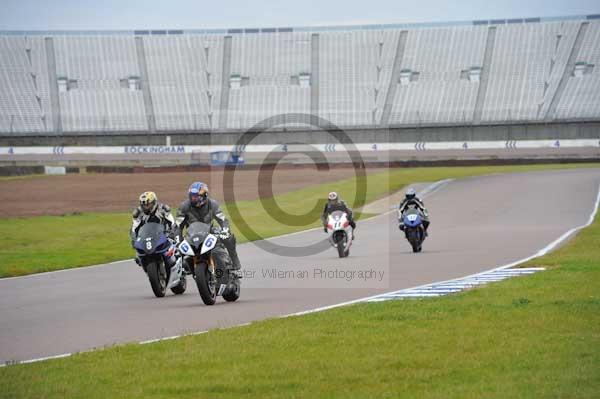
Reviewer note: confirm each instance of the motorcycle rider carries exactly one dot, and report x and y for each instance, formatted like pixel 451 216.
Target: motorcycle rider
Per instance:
pixel 411 199
pixel 150 210
pixel 335 203
pixel 200 208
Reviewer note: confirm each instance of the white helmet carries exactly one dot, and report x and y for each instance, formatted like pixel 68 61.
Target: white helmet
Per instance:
pixel 332 196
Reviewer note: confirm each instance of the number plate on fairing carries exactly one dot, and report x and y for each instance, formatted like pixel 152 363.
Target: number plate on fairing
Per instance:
pixel 412 218
pixel 209 243
pixel 185 248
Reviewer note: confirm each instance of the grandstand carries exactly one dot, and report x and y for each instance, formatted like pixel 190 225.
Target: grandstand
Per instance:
pixel 477 73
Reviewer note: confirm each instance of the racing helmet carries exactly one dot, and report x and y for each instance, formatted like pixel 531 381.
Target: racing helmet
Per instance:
pixel 148 202
pixel 333 197
pixel 410 194
pixel 198 194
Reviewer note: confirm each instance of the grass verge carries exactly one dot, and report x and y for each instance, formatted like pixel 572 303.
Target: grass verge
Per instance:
pixel 47 243
pixel 528 337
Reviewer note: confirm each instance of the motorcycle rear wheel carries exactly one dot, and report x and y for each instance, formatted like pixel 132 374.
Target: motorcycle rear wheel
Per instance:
pixel 232 293
pixel 180 288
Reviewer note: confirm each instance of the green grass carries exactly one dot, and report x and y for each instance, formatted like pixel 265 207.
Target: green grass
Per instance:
pixel 47 243
pixel 24 177
pixel 38 244
pixel 528 337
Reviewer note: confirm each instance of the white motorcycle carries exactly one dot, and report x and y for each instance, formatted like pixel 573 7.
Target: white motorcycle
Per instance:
pixel 340 232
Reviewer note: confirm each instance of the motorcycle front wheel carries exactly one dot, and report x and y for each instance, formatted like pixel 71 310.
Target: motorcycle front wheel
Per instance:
pixel 206 283
pixel 158 278
pixel 414 241
pixel 341 248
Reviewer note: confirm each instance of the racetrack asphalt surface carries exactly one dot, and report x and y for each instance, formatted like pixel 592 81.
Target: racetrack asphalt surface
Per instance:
pixel 477 224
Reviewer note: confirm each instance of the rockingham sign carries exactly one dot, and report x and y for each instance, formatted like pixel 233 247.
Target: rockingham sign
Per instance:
pixel 155 149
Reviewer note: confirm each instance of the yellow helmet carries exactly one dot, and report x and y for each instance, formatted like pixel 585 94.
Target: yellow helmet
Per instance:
pixel 148 202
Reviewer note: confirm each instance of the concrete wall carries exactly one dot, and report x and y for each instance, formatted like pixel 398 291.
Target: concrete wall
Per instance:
pixel 574 130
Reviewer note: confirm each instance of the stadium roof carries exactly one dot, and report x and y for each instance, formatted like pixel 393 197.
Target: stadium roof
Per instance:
pixel 298 29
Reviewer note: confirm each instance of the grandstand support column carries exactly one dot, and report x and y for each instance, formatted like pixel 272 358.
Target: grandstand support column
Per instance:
pixel 391 92
pixel 485 74
pixel 314 74
pixel 148 105
pixel 225 76
pixel 567 72
pixel 52 78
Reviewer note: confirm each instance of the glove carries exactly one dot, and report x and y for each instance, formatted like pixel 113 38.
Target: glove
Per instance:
pixel 224 234
pixel 172 236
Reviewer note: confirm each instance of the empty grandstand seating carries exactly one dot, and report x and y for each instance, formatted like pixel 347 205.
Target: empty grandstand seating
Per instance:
pixel 581 98
pixel 439 56
pixel 484 72
pixel 526 68
pixel 355 71
pixel 184 74
pixel 97 65
pixel 24 88
pixel 266 65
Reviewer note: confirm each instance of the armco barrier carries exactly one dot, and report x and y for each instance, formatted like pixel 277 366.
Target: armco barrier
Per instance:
pixel 21 170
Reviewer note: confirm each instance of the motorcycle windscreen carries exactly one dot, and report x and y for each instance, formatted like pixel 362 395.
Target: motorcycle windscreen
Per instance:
pixel 337 215
pixel 196 234
pixel 150 237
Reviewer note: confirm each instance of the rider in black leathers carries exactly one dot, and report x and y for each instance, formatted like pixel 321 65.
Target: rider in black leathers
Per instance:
pixel 200 208
pixel 335 203
pixel 411 200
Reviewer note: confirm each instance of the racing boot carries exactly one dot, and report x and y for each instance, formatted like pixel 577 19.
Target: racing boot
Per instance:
pixel 236 266
pixel 235 261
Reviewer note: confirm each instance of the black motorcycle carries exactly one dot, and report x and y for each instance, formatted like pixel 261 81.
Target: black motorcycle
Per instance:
pixel 208 260
pixel 414 230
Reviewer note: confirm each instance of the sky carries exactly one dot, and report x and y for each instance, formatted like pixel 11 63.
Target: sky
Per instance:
pixel 203 14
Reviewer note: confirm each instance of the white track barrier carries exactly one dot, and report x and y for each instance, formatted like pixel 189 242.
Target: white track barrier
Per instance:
pixel 266 148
